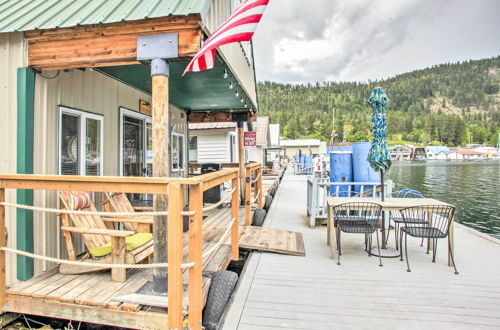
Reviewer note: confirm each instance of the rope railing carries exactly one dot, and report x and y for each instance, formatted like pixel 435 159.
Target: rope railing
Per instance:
pixel 98 213
pixel 256 178
pixel 91 264
pixel 219 203
pixel 221 241
pixel 254 200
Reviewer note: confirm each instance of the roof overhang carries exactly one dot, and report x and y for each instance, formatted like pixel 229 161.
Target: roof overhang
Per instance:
pixel 111 49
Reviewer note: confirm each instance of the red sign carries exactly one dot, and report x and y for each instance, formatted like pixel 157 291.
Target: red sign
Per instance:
pixel 250 139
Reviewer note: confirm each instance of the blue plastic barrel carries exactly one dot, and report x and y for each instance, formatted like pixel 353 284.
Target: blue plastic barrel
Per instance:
pixel 308 164
pixel 340 171
pixel 362 171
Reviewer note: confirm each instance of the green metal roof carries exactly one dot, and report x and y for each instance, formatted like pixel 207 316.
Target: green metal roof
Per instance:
pixel 24 15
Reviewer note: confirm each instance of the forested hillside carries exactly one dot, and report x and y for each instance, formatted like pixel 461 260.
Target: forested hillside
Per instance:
pixel 453 104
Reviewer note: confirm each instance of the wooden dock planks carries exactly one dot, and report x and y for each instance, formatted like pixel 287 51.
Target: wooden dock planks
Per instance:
pixel 272 240
pixel 95 290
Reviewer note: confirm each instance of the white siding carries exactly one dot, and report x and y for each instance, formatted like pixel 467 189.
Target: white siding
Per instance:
pixel 213 147
pixel 233 53
pixel 12 56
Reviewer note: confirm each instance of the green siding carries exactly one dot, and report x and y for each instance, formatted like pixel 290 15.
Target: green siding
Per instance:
pixel 25 117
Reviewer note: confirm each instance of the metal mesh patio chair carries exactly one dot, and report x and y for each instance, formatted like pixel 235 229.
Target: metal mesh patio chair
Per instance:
pixel 427 221
pixel 357 218
pixel 397 218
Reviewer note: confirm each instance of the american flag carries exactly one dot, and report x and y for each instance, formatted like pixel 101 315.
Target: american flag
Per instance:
pixel 240 26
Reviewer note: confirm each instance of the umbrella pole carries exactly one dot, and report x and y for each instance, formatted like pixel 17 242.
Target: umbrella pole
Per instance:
pixel 382 193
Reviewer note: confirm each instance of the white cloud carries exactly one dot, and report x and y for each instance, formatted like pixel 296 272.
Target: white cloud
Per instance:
pixel 317 40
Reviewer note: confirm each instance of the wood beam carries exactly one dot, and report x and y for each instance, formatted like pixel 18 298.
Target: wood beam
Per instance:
pixel 106 44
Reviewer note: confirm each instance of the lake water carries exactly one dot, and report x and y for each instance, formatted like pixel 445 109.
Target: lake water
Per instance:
pixel 473 187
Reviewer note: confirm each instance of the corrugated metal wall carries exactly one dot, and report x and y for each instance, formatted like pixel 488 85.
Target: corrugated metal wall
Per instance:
pixel 88 91
pixel 85 90
pixel 12 56
pixel 234 54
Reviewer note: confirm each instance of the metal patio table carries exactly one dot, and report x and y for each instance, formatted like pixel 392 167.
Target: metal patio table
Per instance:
pixel 389 204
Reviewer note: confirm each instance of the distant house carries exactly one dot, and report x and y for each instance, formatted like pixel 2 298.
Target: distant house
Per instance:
pixel 446 155
pixel 467 154
pixel 290 148
pixel 400 152
pixel 273 152
pixel 259 152
pixel 213 142
pixel 433 151
pixel 418 153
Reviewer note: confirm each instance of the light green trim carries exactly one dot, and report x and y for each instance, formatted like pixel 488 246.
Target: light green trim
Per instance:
pixel 25 130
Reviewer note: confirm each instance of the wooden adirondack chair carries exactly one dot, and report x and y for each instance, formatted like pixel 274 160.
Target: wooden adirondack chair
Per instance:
pixel 105 245
pixel 118 202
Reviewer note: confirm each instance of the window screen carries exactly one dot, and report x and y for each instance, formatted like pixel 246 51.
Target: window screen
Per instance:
pixel 70 146
pixel 80 143
pixel 93 147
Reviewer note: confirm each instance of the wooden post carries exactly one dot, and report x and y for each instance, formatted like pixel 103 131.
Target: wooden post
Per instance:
pixel 195 255
pixel 161 168
pixel 235 213
pixel 258 186
pixel 117 257
pixel 2 253
pixel 175 251
pixel 248 196
pixel 241 160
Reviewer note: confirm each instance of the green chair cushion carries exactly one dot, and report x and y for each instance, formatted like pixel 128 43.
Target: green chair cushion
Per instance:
pixel 131 243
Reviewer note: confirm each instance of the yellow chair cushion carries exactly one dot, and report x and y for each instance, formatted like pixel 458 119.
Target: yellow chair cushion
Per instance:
pixel 131 243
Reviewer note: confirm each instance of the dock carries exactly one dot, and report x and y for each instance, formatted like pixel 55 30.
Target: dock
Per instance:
pixel 313 292
pixel 92 297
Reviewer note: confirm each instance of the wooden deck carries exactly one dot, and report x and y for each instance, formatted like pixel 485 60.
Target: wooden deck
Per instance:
pixel 89 297
pixel 313 292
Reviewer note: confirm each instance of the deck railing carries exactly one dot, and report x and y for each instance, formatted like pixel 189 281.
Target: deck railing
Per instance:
pixel 253 190
pixel 253 185
pixel 318 189
pixel 173 188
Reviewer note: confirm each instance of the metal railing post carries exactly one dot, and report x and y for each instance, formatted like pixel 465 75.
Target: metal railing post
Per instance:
pixel 314 203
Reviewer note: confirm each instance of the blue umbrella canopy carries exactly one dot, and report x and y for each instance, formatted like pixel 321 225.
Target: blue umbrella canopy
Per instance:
pixel 379 156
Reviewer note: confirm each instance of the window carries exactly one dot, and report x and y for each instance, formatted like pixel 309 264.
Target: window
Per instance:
pixel 136 144
pixel 232 147
pixel 177 152
pixel 193 149
pixel 80 143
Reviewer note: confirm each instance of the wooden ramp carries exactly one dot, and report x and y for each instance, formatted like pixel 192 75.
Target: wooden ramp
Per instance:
pixel 272 240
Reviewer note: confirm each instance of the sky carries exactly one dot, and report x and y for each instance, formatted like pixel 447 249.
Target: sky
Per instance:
pixel 300 41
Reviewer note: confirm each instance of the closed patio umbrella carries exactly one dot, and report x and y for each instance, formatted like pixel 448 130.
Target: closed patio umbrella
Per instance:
pixel 379 155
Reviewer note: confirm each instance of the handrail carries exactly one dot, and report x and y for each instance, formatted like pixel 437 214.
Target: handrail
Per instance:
pixel 172 187
pixel 319 188
pixel 253 196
